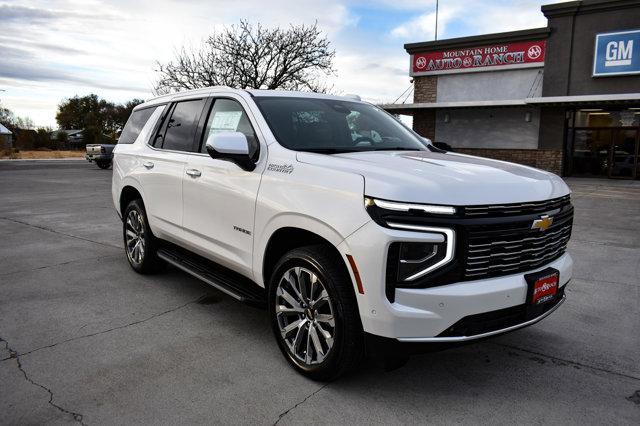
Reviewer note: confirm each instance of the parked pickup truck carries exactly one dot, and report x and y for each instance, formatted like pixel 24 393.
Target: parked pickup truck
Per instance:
pixel 357 235
pixel 100 153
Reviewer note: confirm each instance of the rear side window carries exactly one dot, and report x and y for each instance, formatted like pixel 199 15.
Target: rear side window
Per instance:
pixel 134 125
pixel 181 126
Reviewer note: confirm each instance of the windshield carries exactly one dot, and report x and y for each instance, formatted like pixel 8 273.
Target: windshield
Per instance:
pixel 334 126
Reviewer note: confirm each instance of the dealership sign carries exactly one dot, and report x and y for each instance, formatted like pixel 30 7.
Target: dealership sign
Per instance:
pixel 617 54
pixel 485 58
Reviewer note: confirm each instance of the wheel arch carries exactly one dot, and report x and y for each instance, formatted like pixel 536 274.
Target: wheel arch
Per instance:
pixel 128 194
pixel 287 238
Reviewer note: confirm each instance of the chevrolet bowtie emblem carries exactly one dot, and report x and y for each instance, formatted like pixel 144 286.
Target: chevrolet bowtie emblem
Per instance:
pixel 543 223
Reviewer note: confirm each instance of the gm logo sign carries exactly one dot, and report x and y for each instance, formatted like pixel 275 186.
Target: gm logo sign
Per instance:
pixel 617 54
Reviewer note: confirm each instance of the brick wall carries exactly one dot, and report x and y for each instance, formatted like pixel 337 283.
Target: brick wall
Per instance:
pixel 424 123
pixel 545 159
pixel 425 88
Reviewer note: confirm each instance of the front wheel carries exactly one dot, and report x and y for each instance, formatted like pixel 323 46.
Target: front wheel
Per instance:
pixel 103 164
pixel 314 314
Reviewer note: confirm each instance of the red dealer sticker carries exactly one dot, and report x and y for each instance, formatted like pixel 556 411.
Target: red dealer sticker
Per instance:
pixel 509 55
pixel 542 286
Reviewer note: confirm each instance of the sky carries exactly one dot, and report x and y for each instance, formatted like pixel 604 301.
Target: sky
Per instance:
pixel 55 49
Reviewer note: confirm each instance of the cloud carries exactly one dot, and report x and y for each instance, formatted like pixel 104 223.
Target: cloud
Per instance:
pixel 53 49
pixel 38 46
pixel 472 17
pixel 22 14
pixel 423 26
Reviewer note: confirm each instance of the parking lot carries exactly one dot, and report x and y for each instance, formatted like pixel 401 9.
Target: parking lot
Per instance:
pixel 86 339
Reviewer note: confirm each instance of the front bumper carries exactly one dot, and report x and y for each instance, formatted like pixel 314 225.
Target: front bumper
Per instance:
pixel 422 314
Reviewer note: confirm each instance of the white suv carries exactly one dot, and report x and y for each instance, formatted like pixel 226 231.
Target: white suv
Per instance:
pixel 353 230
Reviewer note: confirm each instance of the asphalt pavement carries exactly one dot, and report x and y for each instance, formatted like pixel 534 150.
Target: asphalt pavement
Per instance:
pixel 85 339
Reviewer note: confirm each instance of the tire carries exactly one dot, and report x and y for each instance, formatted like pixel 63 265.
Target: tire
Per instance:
pixel 103 164
pixel 301 320
pixel 140 245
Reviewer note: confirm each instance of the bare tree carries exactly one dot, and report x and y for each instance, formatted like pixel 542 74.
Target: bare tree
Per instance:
pixel 247 56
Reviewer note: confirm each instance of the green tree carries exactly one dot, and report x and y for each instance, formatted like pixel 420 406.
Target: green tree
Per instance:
pixel 100 120
pixel 12 121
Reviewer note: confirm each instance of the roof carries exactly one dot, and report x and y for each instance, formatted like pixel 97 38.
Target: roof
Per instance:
pixel 618 98
pixel 210 91
pixel 4 130
pixel 478 40
pixel 585 6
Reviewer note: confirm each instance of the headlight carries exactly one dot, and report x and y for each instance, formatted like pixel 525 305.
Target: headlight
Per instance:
pixel 416 258
pixel 407 207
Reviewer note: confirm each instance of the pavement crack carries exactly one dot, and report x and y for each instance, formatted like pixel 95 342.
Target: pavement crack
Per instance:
pixel 59 233
pixel 566 361
pixel 284 413
pixel 14 355
pixel 58 264
pixel 159 314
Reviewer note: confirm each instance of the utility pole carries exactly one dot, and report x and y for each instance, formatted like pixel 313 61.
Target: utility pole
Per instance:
pixel 436 37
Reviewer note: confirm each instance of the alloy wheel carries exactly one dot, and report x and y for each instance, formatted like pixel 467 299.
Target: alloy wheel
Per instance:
pixel 135 237
pixel 305 316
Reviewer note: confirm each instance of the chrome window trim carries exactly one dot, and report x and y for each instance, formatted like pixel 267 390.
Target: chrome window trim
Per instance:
pixel 449 240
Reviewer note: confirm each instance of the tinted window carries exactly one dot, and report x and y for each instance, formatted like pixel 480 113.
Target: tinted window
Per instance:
pixel 134 125
pixel 228 115
pixel 327 125
pixel 182 125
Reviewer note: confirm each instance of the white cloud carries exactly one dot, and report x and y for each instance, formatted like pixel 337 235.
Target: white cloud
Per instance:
pixel 55 49
pixel 423 26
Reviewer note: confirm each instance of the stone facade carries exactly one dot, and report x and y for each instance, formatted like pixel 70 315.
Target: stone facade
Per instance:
pixel 424 120
pixel 545 159
pixel 425 89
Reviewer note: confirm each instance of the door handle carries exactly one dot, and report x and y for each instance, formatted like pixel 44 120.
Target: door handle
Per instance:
pixel 148 165
pixel 194 173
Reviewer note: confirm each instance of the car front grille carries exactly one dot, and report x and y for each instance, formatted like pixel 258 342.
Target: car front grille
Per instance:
pixel 507 248
pixel 516 209
pixel 491 240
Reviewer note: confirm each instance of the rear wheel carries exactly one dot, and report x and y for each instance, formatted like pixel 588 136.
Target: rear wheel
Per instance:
pixel 314 314
pixel 139 242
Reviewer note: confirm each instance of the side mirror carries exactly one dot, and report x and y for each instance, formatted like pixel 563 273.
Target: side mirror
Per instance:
pixel 230 146
pixel 427 141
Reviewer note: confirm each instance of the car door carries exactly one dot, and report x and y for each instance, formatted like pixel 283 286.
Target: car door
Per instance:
pixel 163 164
pixel 219 197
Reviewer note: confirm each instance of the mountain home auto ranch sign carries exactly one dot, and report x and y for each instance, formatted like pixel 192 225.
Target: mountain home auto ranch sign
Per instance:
pixel 486 58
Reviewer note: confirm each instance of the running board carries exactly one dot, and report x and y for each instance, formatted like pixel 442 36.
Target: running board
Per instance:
pixel 225 280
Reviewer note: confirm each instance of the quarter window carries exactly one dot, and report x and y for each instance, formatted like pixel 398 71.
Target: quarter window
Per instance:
pixel 228 115
pixel 181 126
pixel 134 125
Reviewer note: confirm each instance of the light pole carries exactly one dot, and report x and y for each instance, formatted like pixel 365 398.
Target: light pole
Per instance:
pixel 436 34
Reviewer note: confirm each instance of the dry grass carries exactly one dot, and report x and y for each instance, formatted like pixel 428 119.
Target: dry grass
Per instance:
pixel 6 154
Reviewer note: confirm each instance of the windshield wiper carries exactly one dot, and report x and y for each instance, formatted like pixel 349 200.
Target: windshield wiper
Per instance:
pixel 328 150
pixel 394 148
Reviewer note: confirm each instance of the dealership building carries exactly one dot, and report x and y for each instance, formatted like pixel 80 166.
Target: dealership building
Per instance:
pixel 564 98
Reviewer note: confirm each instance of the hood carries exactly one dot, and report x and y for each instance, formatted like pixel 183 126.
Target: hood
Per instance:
pixel 442 178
